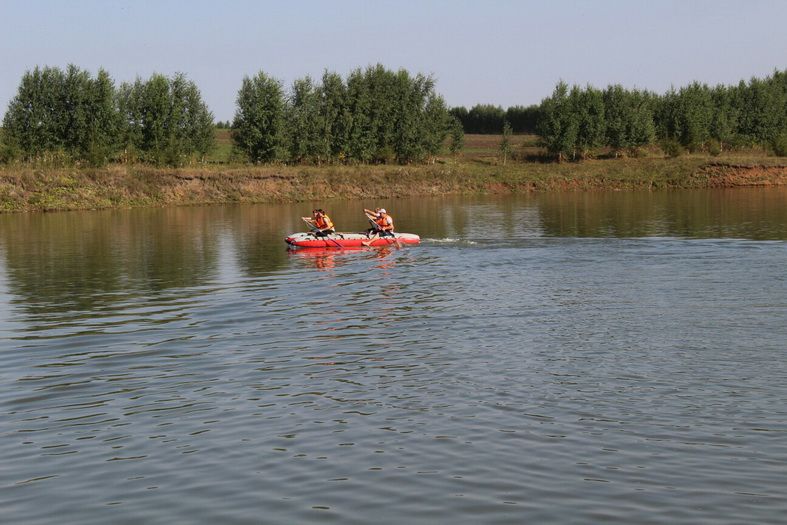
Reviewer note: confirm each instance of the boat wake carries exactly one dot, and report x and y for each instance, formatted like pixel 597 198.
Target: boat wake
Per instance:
pixel 449 240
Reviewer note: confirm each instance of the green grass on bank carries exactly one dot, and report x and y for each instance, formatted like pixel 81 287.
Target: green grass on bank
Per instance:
pixel 222 150
pixel 476 169
pixel 486 149
pixel 30 188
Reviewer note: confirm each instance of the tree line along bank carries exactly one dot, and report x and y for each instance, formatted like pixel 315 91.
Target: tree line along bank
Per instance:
pixel 575 120
pixel 373 115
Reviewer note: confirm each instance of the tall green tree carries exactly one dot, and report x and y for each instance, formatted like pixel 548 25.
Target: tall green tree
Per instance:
pixel 33 121
pixel 629 119
pixel 335 118
pixel 362 136
pixel 438 124
pixel 724 122
pixel 102 135
pixel 69 110
pixel 505 142
pixel 763 110
pixel 696 115
pixel 164 120
pixel 588 107
pixel 558 125
pixel 457 134
pixel 258 127
pixel 305 127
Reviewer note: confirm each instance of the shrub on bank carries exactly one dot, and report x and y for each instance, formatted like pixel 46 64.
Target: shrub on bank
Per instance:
pixel 714 147
pixel 671 148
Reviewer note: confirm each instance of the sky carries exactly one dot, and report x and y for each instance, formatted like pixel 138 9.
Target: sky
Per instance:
pixel 501 52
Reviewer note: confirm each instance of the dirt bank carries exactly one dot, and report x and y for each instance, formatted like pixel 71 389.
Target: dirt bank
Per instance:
pixel 30 188
pixel 723 175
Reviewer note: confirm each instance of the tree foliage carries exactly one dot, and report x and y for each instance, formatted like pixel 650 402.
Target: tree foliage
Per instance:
pixel 372 115
pixel 489 119
pixel 164 120
pixel 258 128
pixel 574 121
pixel 505 142
pixel 629 119
pixel 457 135
pixel 69 111
pixel 87 118
pixel 558 125
pixel 375 115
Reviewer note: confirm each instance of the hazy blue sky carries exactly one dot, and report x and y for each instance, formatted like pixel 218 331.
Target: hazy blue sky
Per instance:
pixel 495 51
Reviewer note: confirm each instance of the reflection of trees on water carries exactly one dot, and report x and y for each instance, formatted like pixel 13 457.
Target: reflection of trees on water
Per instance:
pixel 751 213
pixel 581 214
pixel 258 232
pixel 80 261
pixel 176 247
pixel 85 260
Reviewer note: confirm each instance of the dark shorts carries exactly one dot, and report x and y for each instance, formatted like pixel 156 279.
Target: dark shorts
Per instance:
pixel 379 233
pixel 324 233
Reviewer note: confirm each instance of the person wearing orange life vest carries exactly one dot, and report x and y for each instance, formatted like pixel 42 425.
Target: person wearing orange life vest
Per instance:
pixel 383 225
pixel 323 225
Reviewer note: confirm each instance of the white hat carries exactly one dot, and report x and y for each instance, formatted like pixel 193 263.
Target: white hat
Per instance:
pixel 382 210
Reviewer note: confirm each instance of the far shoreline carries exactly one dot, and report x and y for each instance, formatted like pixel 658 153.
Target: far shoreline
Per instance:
pixel 30 188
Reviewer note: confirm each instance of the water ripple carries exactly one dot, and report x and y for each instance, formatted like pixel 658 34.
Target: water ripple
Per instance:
pixel 521 379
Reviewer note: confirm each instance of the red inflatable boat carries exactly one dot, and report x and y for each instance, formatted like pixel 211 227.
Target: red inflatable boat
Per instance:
pixel 348 240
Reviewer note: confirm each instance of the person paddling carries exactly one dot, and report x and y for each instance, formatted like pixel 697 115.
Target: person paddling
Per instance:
pixel 322 224
pixel 383 225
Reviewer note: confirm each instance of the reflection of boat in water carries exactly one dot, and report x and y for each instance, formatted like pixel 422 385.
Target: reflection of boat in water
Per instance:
pixel 321 251
pixel 348 240
pixel 329 258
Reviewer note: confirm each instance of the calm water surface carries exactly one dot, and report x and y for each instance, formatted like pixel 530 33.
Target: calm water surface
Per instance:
pixel 571 358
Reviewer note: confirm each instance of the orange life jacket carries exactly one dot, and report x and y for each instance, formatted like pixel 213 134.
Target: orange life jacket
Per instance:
pixel 384 223
pixel 323 223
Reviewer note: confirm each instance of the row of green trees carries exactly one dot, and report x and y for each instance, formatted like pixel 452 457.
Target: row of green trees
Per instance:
pixel 574 121
pixel 746 114
pixel 71 112
pixel 163 120
pixel 487 118
pixel 374 115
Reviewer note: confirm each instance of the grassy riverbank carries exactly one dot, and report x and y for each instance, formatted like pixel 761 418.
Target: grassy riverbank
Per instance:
pixel 35 188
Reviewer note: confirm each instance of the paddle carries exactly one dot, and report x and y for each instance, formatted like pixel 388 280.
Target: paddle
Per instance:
pixel 374 225
pixel 377 232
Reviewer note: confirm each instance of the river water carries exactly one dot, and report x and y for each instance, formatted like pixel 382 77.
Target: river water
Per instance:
pixel 571 358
